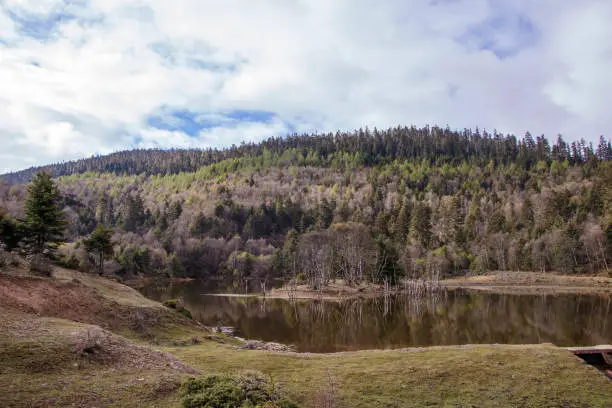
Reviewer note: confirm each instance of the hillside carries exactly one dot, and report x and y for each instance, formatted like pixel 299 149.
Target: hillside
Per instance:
pixel 52 356
pixel 366 206
pixel 372 147
pixel 78 340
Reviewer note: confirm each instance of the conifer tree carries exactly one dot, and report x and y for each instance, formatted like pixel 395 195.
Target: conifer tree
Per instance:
pixel 420 225
pixel 176 209
pixel 402 226
pixel 99 243
pixel 133 213
pixel 44 218
pixel 11 232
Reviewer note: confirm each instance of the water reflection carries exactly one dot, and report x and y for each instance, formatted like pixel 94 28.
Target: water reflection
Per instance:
pixel 454 317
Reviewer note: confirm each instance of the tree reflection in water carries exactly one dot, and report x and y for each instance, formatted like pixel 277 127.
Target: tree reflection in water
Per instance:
pixel 437 318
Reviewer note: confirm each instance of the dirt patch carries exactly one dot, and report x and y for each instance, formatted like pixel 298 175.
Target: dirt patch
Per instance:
pixel 99 345
pixel 75 301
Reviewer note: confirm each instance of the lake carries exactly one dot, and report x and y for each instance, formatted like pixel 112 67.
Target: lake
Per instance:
pixel 447 318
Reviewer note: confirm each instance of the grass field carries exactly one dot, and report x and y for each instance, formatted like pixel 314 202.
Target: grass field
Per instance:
pixel 123 351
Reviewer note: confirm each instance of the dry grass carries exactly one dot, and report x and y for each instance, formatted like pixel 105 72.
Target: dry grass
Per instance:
pixel 532 282
pixel 88 299
pixel 49 359
pixel 337 289
pixel 115 291
pixel 57 362
pixel 482 376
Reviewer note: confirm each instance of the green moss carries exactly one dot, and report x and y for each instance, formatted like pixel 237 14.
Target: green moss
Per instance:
pixel 177 305
pixel 249 389
pixel 171 303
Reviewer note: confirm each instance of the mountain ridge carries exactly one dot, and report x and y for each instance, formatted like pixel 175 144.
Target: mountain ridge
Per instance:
pixel 433 143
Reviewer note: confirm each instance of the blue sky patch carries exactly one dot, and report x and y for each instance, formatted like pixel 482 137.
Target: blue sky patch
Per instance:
pixel 503 35
pixel 180 120
pixel 37 26
pixel 191 123
pixel 199 57
pixel 251 116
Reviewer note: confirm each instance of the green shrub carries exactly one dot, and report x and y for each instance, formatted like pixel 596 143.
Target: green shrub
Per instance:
pixel 185 312
pixel 69 262
pixel 177 305
pixel 247 390
pixel 171 303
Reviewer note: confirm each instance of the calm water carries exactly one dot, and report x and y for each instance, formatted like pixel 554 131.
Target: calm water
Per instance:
pixel 453 317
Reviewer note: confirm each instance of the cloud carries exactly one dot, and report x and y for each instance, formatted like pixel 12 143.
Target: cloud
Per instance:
pixel 82 77
pixel 191 123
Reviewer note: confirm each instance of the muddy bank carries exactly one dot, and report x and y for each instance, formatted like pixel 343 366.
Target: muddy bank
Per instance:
pixel 531 283
pixel 498 282
pixel 337 289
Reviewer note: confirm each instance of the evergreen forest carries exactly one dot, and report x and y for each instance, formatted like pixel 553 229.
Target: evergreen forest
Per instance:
pixel 367 205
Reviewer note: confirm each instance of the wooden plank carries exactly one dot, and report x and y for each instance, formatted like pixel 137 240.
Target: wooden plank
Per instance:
pixel 604 349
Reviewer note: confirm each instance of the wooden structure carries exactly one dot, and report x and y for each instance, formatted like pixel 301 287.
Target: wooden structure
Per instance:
pixel 604 351
pixel 598 356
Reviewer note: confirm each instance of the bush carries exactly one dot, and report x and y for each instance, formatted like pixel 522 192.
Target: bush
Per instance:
pixel 39 264
pixel 166 385
pixel 247 390
pixel 478 265
pixel 177 305
pixel 185 312
pixel 171 303
pixel 8 258
pixel 69 262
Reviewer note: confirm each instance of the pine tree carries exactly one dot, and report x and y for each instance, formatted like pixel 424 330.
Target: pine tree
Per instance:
pixel 175 268
pixel 104 210
pixel 11 232
pixel 289 251
pixel 325 214
pixel 201 225
pixel 420 225
pixel 99 243
pixel 133 213
pixel 44 218
pixel 176 209
pixel 387 267
pixel 402 225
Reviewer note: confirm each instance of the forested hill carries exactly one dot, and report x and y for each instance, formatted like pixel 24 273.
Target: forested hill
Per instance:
pixel 368 205
pixel 366 147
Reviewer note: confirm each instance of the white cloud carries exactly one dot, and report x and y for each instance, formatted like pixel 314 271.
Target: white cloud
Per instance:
pixel 319 65
pixel 34 6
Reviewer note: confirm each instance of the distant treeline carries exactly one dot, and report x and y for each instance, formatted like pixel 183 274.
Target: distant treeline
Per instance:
pixel 368 205
pixel 373 147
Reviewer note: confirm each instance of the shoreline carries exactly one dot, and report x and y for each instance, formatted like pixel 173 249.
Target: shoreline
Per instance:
pixel 531 283
pixel 72 333
pixel 514 283
pixel 502 282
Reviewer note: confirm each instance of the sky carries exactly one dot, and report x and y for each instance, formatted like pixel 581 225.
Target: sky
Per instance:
pixel 83 77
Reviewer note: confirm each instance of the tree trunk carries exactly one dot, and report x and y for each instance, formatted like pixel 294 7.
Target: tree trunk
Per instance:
pixel 101 272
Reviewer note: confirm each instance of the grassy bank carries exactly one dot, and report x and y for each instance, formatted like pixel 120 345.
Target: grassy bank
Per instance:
pixel 532 282
pixel 484 376
pixel 77 340
pixel 500 282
